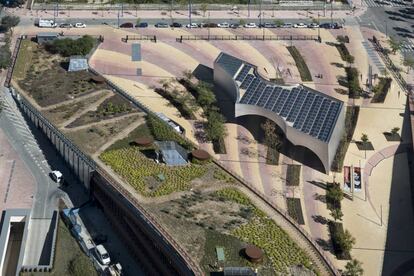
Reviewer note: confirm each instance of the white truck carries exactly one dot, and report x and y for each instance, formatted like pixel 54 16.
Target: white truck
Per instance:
pixel 46 23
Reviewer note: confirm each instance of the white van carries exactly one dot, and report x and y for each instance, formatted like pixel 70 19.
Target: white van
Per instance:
pixel 102 255
pixel 57 176
pixel 45 23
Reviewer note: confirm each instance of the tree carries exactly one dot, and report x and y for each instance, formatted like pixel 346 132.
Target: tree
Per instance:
pixel 346 241
pixel 364 139
pixel 205 97
pixel 394 130
pixel 9 22
pixel 69 47
pixel 337 214
pixel 215 128
pixel 271 138
pixel 278 22
pixel 394 44
pixel 204 8
pixel 409 63
pixel 334 195
pixel 138 21
pixel 353 268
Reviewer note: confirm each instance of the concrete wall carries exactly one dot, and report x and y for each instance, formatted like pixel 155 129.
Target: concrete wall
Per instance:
pixel 81 164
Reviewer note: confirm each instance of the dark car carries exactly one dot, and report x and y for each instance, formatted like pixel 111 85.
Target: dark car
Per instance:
pixel 176 25
pixel 234 26
pixel 337 26
pixel 126 25
pixel 208 25
pixel 161 25
pixel 65 25
pixel 325 25
pixel 142 25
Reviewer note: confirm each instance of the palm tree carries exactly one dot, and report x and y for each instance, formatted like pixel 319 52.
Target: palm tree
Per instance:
pixel 364 139
pixel 395 44
pixel 409 63
pixel 354 268
pixel 346 241
pixel 337 214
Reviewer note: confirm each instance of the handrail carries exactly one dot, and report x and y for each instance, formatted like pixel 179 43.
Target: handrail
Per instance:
pixel 247 37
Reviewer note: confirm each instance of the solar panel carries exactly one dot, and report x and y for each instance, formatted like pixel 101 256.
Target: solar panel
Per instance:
pixel 312 114
pixel 329 121
pixel 265 96
pixel 243 72
pixel 303 94
pixel 250 91
pixel 281 101
pixel 304 111
pixel 247 81
pixel 289 102
pixel 320 118
pixel 273 98
pixel 257 94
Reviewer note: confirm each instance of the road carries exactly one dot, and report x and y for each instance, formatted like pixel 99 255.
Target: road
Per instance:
pixel 397 22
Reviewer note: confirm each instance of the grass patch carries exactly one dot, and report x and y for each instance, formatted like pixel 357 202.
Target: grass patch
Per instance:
pixel 162 132
pixel 140 171
pixel 351 119
pixel 304 72
pixel 24 59
pixel 263 232
pixel 295 209
pixel 343 51
pixel 293 175
pixel 69 258
pixel 140 131
pixel 381 90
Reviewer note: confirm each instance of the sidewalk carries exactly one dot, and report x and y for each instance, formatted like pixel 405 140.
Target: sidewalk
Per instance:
pixel 183 14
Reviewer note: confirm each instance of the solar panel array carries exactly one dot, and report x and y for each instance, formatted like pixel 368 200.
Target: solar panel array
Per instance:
pixel 308 111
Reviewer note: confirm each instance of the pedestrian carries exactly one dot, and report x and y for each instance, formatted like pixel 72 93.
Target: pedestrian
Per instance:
pixel 399 93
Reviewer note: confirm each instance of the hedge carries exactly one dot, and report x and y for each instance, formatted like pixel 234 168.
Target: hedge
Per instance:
pixel 336 231
pixel 353 82
pixel 351 119
pixel 304 72
pixel 293 175
pixel 381 90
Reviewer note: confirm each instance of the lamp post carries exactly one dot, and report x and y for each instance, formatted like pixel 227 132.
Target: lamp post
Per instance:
pixel 189 11
pixel 248 8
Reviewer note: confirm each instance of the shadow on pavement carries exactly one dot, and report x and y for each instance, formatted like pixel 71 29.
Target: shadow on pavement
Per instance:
pixel 399 247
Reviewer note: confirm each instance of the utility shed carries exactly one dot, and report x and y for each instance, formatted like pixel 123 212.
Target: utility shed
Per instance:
pixel 77 63
pixel 45 37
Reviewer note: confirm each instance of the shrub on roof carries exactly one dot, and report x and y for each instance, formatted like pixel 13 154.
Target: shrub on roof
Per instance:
pixel 71 47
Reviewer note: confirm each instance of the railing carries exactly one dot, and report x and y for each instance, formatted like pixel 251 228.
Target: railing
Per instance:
pixel 13 62
pixel 247 37
pixel 150 219
pixel 151 38
pixel 389 64
pixel 197 8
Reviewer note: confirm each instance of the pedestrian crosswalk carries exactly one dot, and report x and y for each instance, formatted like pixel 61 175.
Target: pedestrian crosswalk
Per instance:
pixel 407 46
pixel 386 3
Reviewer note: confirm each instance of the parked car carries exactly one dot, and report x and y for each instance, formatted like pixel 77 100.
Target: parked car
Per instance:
pixel 127 25
pixel 300 25
pixel 65 25
pixel 161 25
pixel 192 25
pixel 141 25
pixel 223 25
pixel 337 26
pixel 268 25
pixel 176 25
pixel 80 25
pixel 313 25
pixel 287 25
pixel 102 255
pixel 208 25
pixel 250 25
pixel 57 176
pixel 234 26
